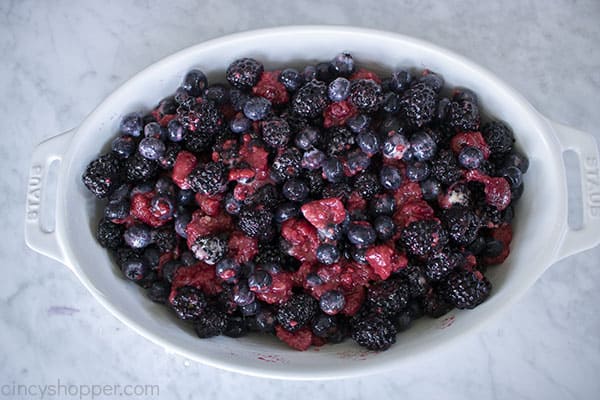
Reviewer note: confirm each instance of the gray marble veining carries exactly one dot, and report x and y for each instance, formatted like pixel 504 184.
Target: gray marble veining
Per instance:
pixel 60 59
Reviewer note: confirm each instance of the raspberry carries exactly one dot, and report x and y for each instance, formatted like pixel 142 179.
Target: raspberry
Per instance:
pixel 310 100
pixel 497 190
pixel 188 303
pixel 109 235
pixel 300 340
pixel 138 168
pixel 244 73
pixel 411 211
pixel 324 213
pixel 297 312
pixel 473 139
pixel 141 209
pixel 200 276
pixel 184 165
pixel 242 248
pixel 287 165
pixel 367 185
pixel 203 225
pixel 302 238
pixel 498 136
pixel 256 223
pixel 418 104
pixel 102 176
pixel 374 332
pixel 203 118
pixel 338 113
pixel 366 95
pixel 271 89
pixel 276 132
pixel 384 260
pixel 465 289
pixel 422 238
pixel 210 323
pixel 208 179
pixel 387 298
pixel 280 290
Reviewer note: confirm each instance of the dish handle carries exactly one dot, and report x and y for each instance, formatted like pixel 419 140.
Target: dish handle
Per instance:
pixel 585 147
pixel 39 238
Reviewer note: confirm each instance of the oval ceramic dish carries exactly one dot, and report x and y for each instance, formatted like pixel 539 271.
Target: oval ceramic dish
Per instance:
pixel 542 235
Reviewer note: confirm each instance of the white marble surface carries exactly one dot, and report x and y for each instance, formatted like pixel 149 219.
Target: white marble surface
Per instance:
pixel 59 59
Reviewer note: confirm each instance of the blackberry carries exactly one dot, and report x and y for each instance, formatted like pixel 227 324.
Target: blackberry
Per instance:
pixel 417 281
pixel 109 235
pixel 374 332
pixel 236 327
pixel 340 190
pixel 366 95
pixel 387 298
pixel 209 179
pixel 424 237
pixel 462 116
pixel 444 167
pixel 440 265
pixel 140 169
pixel 165 238
pixel 210 323
pixel 297 312
pixel 256 223
pixel 167 160
pixel 209 249
pixel 287 165
pixel 310 100
pixel 276 132
pixel 367 185
pixel 462 224
pixel 189 303
pixel 268 253
pixel 124 254
pixel 204 117
pixel 266 196
pixel 197 142
pixel 498 136
pixel 418 104
pixel 244 73
pixel 337 140
pixel 315 181
pixel 434 305
pixel 102 176
pixel 159 291
pixel 466 289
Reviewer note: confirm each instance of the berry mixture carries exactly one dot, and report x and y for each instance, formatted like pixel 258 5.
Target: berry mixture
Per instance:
pixel 313 205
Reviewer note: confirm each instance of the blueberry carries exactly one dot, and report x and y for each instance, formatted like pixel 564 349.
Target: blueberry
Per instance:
pixel 306 138
pixel 493 248
pixel 134 269
pixel 264 321
pixel 238 98
pixel 153 130
pixel 333 170
pixel 391 103
pixel 295 190
pixel 322 72
pixel 442 109
pixel 121 193
pixel 123 146
pixel 176 131
pixel 332 302
pixel 357 161
pixel 395 146
pixel 250 308
pixel 271 268
pixel 359 123
pixel 309 73
pixel 151 256
pixel 291 79
pixel 477 246
pixel 162 207
pixel 342 65
pixel 358 255
pixel 516 192
pixel 383 204
pixel 242 294
pixel 257 108
pixel 185 197
pixel 181 223
pixel 417 171
pixel 159 292
pixel 516 159
pixel 324 325
pixel 464 94
pixel 313 159
pixel 470 157
pixel 423 145
pixel 328 254
pixel 390 177
pixel 513 175
pixel 260 281
pixel 430 188
pixel 433 80
pixel 132 124
pixel 217 93
pixel 286 211
pixel 232 205
pixel 228 270
pixel 143 187
pixel 400 81
pixel 194 83
pixel 384 226
pixel 338 89
pixel 164 185
pixel 361 234
pixel 138 236
pixel 151 148
pixel 240 124
pixel 313 280
pixel 117 209
pixel 368 143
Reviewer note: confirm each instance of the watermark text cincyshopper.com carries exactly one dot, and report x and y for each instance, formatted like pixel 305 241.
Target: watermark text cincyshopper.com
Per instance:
pixel 61 390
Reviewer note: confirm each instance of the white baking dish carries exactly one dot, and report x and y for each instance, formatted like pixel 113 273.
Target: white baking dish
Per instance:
pixel 542 235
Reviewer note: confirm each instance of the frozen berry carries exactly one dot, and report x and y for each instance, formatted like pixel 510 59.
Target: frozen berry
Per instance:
pixel 188 303
pixel 424 237
pixel 244 73
pixel 466 289
pixel 328 254
pixel 390 177
pixel 209 249
pixel 102 175
pixel 297 312
pixel 374 333
pixel 332 302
